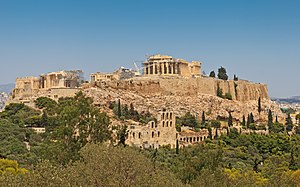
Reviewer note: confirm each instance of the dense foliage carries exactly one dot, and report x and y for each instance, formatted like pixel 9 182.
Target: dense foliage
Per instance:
pixel 76 151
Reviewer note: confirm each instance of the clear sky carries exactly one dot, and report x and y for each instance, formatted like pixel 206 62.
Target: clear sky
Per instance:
pixel 258 40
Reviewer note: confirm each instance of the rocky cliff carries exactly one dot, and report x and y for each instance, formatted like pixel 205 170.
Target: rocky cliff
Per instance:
pixel 183 95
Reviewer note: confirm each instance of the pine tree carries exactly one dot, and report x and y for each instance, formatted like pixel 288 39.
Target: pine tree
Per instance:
pixel 222 73
pixel 270 118
pixel 259 105
pixel 248 121
pixel 244 121
pixel 230 120
pixel 203 118
pixel 219 92
pixel 212 74
pixel 251 118
pixel 119 109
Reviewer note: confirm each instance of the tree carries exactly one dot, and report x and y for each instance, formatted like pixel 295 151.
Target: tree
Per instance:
pixel 215 123
pixel 219 91
pixel 222 73
pixel 119 109
pixel 259 105
pixel 122 135
pixel 212 74
pixel 230 120
pixel 79 122
pixel 276 127
pixel 189 120
pixel 203 118
pixel 248 121
pixel 270 118
pixel 298 118
pixel 251 118
pixel 228 96
pixel 244 121
pixel 289 123
pixel 10 166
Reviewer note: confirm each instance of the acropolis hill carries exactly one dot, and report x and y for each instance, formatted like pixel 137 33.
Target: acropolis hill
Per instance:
pixel 165 83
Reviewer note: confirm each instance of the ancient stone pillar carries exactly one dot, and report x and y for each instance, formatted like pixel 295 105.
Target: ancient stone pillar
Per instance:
pixel 171 67
pixel 167 64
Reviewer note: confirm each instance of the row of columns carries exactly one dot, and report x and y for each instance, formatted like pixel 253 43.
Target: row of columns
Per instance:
pixel 161 68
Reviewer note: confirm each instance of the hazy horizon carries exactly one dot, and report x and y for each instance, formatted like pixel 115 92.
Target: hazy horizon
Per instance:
pixel 256 40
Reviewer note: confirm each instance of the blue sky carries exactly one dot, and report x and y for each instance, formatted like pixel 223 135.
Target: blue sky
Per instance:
pixel 258 40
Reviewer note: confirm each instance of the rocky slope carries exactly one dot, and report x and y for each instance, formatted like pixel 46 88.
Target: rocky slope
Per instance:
pixel 153 95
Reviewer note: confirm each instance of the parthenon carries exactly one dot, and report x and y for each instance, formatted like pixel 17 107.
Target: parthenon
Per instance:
pixel 167 65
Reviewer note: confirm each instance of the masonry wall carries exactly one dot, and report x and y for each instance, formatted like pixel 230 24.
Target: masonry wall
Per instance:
pixel 240 90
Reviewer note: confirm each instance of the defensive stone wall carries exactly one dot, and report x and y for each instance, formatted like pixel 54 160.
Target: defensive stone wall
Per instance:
pixel 239 90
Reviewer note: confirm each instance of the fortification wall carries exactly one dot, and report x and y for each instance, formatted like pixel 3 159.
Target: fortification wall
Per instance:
pixel 240 90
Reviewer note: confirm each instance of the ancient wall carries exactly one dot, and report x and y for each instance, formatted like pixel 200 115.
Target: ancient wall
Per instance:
pixel 154 135
pixel 240 90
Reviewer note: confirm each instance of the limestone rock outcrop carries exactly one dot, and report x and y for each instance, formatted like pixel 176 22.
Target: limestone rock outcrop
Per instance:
pixel 183 95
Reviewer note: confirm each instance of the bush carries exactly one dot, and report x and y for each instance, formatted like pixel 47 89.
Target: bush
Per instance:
pixel 228 96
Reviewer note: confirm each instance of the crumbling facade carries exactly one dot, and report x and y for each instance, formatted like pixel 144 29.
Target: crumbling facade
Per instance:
pixel 52 85
pixel 162 133
pixel 61 79
pixel 154 135
pixel 169 66
pixel 120 74
pixel 100 77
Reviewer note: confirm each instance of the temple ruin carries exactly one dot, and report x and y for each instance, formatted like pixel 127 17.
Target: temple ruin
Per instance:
pixel 52 85
pixel 169 66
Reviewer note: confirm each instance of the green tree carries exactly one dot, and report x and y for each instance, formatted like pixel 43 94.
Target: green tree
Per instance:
pixel 289 123
pixel 11 166
pixel 79 122
pixel 122 135
pixel 259 105
pixel 230 124
pixel 298 118
pixel 48 105
pixel 119 109
pixel 215 123
pixel 244 121
pixel 222 73
pixel 212 74
pixel 270 118
pixel 203 118
pixel 189 120
pixel 228 96
pixel 251 117
pixel 276 127
pixel 219 91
